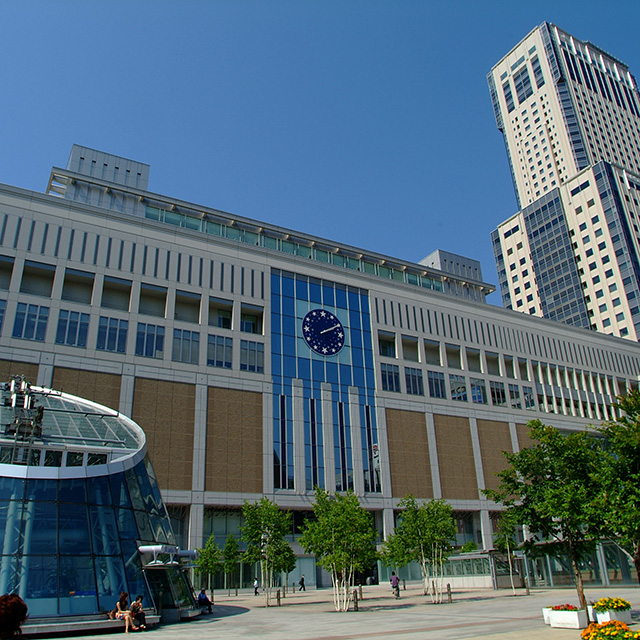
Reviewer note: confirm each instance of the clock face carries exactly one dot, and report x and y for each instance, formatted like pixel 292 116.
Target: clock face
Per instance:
pixel 323 332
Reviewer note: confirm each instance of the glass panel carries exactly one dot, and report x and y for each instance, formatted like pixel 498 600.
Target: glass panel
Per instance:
pixel 39 528
pixel 134 489
pixel 111 581
pixel 10 515
pixel 119 490
pixel 41 490
pixel 98 489
pixel 73 490
pixel 11 488
pixel 74 529
pixel 126 524
pixel 104 531
pixel 42 585
pixel 77 586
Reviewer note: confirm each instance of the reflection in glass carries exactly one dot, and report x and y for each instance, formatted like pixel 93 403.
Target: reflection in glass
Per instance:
pixel 104 532
pixel 73 529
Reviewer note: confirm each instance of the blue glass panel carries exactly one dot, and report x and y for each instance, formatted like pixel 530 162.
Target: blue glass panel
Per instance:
pixel 328 299
pixel 354 319
pixel 358 376
pixel 11 488
pixel 42 585
pixel 159 534
pixel 371 379
pixel 354 301
pixel 289 326
pixel 145 488
pixel 275 284
pixel 315 295
pixel 10 514
pixel 355 338
pixel 10 570
pixel 104 530
pixel 289 345
pixel 304 368
pixel 317 368
pixel 134 489
pixel 41 490
pixel 345 374
pixel 111 580
pixel 332 372
pixel 276 326
pixel 157 497
pixel 302 289
pixel 119 491
pixel 126 524
pixel 77 587
pixel 73 490
pixel 364 304
pixel 287 287
pixel 98 490
pixel 276 368
pixel 39 528
pixel 288 307
pixel 289 366
pixel 144 526
pixel 341 297
pixel 73 529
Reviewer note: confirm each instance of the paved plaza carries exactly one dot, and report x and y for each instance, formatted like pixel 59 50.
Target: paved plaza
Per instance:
pixel 478 615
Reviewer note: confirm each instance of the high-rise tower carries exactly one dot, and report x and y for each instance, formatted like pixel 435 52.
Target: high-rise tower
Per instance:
pixel 570 117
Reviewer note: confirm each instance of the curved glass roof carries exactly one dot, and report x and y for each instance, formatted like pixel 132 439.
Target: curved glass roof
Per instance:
pixel 37 419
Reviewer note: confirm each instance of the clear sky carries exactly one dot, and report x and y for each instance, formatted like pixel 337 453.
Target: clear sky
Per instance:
pixel 364 121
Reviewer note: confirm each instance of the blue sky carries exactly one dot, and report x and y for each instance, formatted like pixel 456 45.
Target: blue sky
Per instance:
pixel 367 122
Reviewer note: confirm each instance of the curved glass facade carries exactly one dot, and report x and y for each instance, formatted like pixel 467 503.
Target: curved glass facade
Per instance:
pixel 78 496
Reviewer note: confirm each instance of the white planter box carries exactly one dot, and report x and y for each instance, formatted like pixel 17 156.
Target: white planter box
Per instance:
pixel 622 616
pixel 546 611
pixel 568 619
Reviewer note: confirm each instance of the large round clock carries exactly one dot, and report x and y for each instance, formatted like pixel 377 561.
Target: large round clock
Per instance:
pixel 323 332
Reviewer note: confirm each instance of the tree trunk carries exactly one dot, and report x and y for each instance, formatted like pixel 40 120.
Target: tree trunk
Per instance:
pixel 578 578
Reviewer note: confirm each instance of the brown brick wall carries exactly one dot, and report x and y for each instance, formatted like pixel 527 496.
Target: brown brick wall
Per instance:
pixel 166 411
pixel 455 458
pixel 494 439
pixel 234 441
pixel 409 454
pixel 103 388
pixel 10 368
pixel 524 440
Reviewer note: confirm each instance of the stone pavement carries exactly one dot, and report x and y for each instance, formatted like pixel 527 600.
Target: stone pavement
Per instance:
pixel 473 615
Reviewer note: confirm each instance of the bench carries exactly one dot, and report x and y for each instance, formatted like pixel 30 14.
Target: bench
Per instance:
pixel 78 624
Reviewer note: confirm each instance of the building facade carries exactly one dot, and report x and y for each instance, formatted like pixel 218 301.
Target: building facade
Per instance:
pixel 264 361
pixel 570 117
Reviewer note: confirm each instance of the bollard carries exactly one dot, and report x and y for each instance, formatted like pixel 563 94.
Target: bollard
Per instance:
pixel 278 597
pixel 404 584
pixel 284 590
pixel 449 593
pixel 360 591
pixel 433 587
pixel 526 586
pixel 355 599
pixel 236 591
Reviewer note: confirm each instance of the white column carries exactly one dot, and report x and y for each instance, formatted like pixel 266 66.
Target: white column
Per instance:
pixel 200 435
pixel 267 442
pixel 299 482
pixel 433 456
pixel 327 438
pixel 383 452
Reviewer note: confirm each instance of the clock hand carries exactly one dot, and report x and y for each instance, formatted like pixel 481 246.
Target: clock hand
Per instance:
pixel 330 329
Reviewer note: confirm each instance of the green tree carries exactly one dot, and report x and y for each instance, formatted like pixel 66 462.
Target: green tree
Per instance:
pixel 209 561
pixel 264 529
pixel 230 557
pixel 551 487
pixel 342 538
pixel 506 541
pixel 423 534
pixel 619 501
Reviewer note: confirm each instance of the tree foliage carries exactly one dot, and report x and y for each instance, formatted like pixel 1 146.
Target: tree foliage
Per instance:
pixel 342 538
pixel 423 534
pixel 551 487
pixel 230 558
pixel 619 500
pixel 265 527
pixel 209 560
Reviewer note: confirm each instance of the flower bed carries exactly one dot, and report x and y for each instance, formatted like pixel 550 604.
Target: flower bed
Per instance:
pixel 611 604
pixel 567 616
pixel 614 630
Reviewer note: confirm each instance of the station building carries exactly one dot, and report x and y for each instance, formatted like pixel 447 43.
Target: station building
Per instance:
pixel 260 360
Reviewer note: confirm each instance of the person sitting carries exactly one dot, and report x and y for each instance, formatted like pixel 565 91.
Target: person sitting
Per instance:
pixel 13 612
pixel 203 601
pixel 137 612
pixel 123 613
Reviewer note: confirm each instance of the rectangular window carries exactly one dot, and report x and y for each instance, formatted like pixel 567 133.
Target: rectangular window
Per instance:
pixel 413 378
pixel 529 400
pixel 522 82
pixel 514 396
pixel 498 395
pixel 112 334
pixel 387 344
pixel 186 346
pixel 432 352
pixel 3 308
pixel 251 319
pixel 153 300
pixel 458 386
pixel 30 322
pixel 251 356
pixel 72 328
pixel 78 286
pixel 478 391
pixel 390 377
pixel 219 352
pixel 436 384
pixel 508 96
pixel 150 340
pixel 220 313
pixel 37 278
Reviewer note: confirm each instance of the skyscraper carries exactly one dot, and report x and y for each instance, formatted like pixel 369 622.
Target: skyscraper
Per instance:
pixel 570 117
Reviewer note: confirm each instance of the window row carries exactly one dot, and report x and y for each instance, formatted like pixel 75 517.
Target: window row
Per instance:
pixel 30 323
